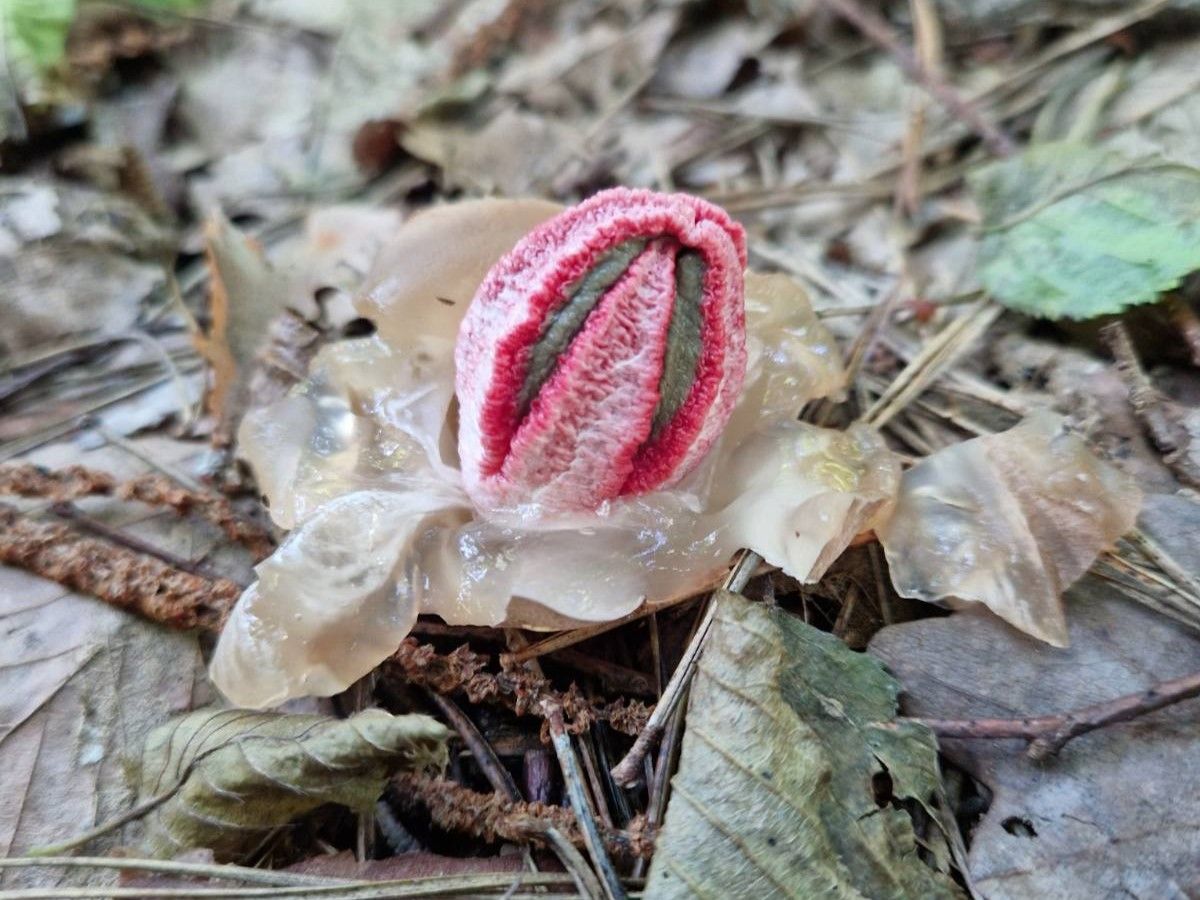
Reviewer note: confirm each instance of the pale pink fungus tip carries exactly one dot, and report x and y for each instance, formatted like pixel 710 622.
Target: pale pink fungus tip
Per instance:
pixel 602 356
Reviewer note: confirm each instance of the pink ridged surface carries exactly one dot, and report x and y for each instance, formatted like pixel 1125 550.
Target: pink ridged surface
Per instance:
pixel 585 437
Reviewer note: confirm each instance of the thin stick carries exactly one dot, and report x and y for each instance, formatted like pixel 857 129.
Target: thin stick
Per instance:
pixel 498 776
pixel 172 867
pixel 610 881
pixel 625 772
pixel 934 359
pixel 1049 734
pixel 440 886
pixel 881 33
pixel 586 881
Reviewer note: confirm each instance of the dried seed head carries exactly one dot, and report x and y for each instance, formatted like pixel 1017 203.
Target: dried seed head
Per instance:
pixel 603 355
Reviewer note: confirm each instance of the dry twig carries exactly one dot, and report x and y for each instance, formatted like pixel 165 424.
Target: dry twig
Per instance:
pixel 1049 734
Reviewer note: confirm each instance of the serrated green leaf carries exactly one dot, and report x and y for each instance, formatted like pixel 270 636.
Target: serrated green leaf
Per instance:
pixel 35 31
pixel 230 775
pixel 789 733
pixel 1072 231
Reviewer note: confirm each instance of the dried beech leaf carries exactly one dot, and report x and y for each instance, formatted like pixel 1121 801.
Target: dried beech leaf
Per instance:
pixel 245 295
pixel 232 774
pixel 787 732
pixel 424 279
pixel 1010 521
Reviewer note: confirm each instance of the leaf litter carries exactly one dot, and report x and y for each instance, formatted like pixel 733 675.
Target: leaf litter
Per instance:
pixel 801 124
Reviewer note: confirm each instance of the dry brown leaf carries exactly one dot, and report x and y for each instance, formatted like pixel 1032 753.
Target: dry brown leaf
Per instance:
pixel 74 259
pixel 1009 521
pixel 245 295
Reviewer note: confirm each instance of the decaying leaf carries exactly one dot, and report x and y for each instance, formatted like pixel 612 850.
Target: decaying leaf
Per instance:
pixel 81 682
pixel 244 297
pixel 1114 815
pixel 1009 521
pixel 231 774
pixel 72 259
pixel 1074 231
pixel 789 735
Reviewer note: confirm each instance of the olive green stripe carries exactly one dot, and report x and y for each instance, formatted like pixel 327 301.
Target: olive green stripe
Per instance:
pixel 562 325
pixel 683 340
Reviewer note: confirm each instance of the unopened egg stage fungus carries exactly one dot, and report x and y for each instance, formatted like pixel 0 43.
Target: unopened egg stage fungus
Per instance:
pixel 602 357
pixel 625 422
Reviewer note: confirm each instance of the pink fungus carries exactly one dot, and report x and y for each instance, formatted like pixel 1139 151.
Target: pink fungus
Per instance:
pixel 603 355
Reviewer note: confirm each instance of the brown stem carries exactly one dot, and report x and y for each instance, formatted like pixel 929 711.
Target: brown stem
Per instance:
pixel 1049 734
pixel 1159 415
pixel 452 807
pixel 1187 322
pixel 73 482
pixel 876 29
pixel 485 756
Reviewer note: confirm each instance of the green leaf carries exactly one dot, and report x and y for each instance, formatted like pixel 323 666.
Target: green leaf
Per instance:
pixel 791 736
pixel 35 31
pixel 1073 231
pixel 230 775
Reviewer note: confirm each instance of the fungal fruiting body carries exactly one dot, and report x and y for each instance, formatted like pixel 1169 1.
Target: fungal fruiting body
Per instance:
pixel 603 355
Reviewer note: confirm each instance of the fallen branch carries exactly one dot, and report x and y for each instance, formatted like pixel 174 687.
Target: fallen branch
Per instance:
pixel 490 817
pixel 1049 734
pixel 116 575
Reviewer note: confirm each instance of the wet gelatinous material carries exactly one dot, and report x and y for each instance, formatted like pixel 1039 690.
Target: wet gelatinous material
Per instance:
pixel 361 462
pixel 1009 521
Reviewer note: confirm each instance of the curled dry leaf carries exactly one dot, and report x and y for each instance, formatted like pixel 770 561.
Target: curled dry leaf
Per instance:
pixel 231 775
pixel 783 804
pixel 362 462
pixel 244 297
pixel 1009 521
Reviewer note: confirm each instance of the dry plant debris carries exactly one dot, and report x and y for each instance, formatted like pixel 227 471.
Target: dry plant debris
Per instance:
pixel 223 779
pixel 916 170
pixel 791 801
